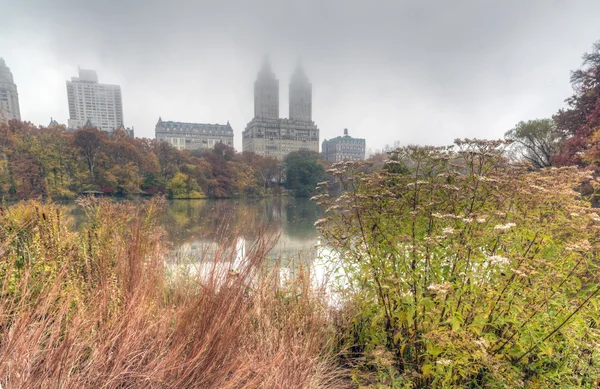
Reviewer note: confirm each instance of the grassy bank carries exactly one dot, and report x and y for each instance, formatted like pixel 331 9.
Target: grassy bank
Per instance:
pixel 95 308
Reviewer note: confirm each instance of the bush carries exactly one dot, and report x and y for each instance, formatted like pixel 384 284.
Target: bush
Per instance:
pixel 465 272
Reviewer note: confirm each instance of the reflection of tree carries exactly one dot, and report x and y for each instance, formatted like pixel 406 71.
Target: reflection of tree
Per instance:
pixel 301 215
pixel 213 220
pixel 217 221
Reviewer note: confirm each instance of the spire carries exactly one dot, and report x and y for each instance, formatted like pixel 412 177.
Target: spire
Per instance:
pixel 299 74
pixel 159 119
pixel 265 70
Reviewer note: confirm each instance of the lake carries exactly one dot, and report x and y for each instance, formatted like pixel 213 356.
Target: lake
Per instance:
pixel 195 228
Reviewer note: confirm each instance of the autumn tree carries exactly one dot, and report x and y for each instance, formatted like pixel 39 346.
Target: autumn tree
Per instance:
pixel 581 118
pixel 90 142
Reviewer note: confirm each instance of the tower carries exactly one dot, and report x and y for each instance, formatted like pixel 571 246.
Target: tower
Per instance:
pixel 9 98
pixel 300 96
pixel 266 93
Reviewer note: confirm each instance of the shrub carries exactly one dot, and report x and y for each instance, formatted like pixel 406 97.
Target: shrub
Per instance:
pixel 466 272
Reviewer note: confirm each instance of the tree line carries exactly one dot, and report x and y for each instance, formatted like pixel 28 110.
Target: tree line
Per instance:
pixel 56 163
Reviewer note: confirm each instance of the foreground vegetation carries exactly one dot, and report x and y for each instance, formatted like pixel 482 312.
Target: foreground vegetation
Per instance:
pixel 463 271
pixel 100 308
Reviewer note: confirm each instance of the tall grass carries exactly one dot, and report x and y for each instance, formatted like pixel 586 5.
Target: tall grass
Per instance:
pixel 95 308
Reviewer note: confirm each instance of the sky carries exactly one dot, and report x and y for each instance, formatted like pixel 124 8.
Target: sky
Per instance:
pixel 414 71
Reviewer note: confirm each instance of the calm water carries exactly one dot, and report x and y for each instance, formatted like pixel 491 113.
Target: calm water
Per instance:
pixel 195 228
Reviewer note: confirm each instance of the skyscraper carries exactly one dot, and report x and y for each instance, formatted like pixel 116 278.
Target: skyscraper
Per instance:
pixel 267 134
pixel 300 96
pixel 100 104
pixel 266 93
pixel 9 98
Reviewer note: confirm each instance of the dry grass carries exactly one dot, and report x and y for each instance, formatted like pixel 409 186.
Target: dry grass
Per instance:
pixel 95 309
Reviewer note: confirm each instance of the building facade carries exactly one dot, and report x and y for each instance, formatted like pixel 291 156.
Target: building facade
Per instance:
pixel 344 148
pixel 193 136
pixel 271 136
pixel 9 98
pixel 100 104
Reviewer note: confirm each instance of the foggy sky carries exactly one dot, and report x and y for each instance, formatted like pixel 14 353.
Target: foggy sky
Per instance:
pixel 415 71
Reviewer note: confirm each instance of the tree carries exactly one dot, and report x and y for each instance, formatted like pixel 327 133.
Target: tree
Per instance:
pixel 580 120
pixel 466 272
pixel 303 172
pixel 90 142
pixel 266 169
pixel 535 141
pixel 184 187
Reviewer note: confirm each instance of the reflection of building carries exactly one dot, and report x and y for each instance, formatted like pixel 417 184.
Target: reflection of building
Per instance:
pixel 343 148
pixel 9 98
pixel 267 134
pixel 98 104
pixel 193 136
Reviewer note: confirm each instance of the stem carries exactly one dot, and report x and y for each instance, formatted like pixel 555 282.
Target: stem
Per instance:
pixel 561 324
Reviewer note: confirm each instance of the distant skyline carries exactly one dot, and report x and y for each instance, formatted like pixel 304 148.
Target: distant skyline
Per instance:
pixel 410 71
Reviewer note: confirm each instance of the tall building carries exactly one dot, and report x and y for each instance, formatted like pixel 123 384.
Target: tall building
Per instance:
pixel 100 104
pixel 267 134
pixel 300 96
pixel 266 93
pixel 343 148
pixel 193 136
pixel 9 98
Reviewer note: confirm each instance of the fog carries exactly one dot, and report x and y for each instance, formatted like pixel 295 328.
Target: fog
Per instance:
pixel 410 71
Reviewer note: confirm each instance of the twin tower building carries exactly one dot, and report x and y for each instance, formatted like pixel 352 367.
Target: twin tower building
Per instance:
pixel 268 134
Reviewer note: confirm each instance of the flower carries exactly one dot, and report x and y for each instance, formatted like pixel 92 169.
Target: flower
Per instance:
pixel 498 260
pixel 444 362
pixel 440 288
pixel 504 227
pixel 448 230
pixel 320 221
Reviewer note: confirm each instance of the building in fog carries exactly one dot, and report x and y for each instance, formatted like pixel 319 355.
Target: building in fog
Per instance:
pixel 193 136
pixel 100 104
pixel 271 136
pixel 9 98
pixel 344 148
pixel 389 148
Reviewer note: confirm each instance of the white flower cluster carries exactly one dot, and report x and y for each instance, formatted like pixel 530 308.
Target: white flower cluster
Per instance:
pixel 444 362
pixel 320 221
pixel 498 260
pixel 448 230
pixel 440 288
pixel 504 227
pixel 583 245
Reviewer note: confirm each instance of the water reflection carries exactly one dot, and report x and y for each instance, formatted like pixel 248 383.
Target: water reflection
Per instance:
pixel 197 227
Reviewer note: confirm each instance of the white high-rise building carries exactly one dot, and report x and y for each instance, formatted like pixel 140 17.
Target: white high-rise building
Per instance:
pixel 100 104
pixel 9 98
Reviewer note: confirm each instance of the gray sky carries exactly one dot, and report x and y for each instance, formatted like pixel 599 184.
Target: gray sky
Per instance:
pixel 418 71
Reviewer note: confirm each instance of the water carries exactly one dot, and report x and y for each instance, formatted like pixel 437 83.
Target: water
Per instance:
pixel 195 228
pixel 194 225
